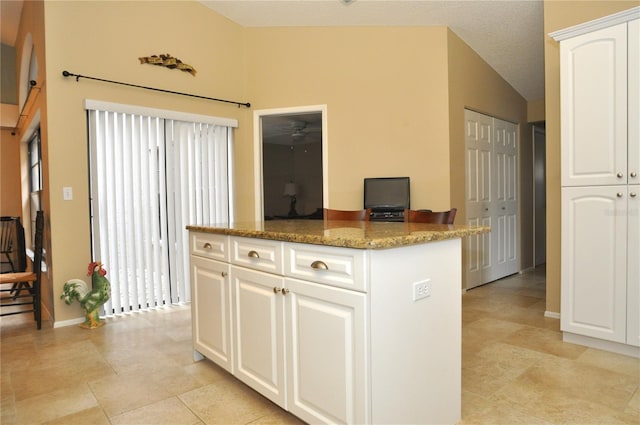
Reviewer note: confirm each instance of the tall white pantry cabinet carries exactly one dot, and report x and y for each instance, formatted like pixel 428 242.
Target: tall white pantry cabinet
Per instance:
pixel 600 146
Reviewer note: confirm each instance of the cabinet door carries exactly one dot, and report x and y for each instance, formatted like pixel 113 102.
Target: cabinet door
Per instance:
pixel 593 74
pixel 259 328
pixel 633 273
pixel 211 316
pixel 327 364
pixel 594 269
pixel 634 102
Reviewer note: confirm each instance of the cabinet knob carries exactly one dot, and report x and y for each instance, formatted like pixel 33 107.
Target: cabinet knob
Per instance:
pixel 633 194
pixel 633 174
pixel 224 274
pixel 285 291
pixel 206 245
pixel 319 265
pixel 620 175
pixel 253 254
pixel 276 289
pixel 619 194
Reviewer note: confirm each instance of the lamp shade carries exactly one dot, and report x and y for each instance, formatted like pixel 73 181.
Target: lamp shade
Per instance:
pixel 290 189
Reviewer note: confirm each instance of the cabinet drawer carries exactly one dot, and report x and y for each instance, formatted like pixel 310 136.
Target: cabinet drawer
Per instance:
pixel 341 267
pixel 258 254
pixel 210 245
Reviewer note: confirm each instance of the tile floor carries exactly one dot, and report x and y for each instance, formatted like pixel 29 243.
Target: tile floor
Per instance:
pixel 139 370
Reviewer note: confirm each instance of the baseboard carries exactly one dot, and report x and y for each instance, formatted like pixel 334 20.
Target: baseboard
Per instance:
pixel 551 314
pixel 601 344
pixel 70 322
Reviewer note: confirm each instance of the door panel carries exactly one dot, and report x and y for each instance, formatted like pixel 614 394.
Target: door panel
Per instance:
pixel 594 269
pixel 479 192
pixel 594 107
pixel 259 332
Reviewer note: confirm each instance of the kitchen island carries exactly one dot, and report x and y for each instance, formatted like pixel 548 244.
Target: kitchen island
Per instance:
pixel 338 321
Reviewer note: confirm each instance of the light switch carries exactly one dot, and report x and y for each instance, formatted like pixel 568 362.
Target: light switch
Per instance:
pixel 67 193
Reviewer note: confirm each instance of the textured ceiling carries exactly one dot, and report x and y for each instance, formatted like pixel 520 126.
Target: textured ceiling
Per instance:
pixel 508 35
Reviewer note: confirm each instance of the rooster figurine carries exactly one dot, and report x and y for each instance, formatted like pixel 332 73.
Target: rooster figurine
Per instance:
pixel 90 300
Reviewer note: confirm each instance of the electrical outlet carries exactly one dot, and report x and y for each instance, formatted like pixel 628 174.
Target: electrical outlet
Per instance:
pixel 421 289
pixel 67 193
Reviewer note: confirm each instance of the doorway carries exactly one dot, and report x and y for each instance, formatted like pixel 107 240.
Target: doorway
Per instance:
pixel 290 146
pixel 539 195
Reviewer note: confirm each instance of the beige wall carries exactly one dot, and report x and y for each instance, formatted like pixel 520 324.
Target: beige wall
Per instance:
pixel 394 96
pixel 104 40
pixel 535 110
pixel 386 95
pixel 559 15
pixel 10 177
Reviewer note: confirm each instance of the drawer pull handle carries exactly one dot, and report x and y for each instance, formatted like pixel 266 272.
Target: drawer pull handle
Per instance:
pixel 319 265
pixel 253 254
pixel 276 289
pixel 207 245
pixel 285 291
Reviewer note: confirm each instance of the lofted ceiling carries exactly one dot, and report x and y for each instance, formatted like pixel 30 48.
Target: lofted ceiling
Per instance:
pixel 507 34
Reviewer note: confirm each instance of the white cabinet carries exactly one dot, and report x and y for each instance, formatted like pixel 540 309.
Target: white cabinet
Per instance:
pixel 332 334
pixel 211 294
pixel 633 267
pixel 325 328
pixel 600 117
pixel 327 366
pixel 593 96
pixel 259 332
pixel 594 267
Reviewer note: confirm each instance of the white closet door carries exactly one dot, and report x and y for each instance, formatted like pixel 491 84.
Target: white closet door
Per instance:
pixel 505 207
pixel 478 141
pixel 491 197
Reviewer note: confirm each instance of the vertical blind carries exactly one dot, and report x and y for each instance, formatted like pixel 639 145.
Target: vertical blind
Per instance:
pixel 150 177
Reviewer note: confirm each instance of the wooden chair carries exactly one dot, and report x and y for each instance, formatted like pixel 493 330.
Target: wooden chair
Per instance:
pixel 28 282
pixel 428 216
pixel 10 247
pixel 357 215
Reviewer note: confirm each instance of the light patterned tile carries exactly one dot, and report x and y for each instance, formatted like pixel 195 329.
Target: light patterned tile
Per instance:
pixel 93 416
pixel 611 361
pixel 227 403
pixel 544 340
pixel 164 412
pixel 55 404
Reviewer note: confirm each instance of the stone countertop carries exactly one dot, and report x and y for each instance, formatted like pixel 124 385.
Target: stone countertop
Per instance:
pixel 348 234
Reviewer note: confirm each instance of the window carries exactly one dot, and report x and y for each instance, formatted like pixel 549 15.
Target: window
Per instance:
pixel 35 178
pixel 151 176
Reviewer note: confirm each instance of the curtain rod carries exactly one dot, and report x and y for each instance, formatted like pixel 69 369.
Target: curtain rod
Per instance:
pixel 78 76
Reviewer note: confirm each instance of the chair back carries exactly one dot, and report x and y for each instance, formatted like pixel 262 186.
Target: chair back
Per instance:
pixel 357 215
pixel 7 233
pixel 38 245
pixel 434 217
pixel 12 245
